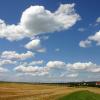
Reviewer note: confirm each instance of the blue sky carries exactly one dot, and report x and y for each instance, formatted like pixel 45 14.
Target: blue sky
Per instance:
pixel 49 41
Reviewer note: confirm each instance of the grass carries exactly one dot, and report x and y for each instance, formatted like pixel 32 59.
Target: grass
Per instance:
pixel 81 95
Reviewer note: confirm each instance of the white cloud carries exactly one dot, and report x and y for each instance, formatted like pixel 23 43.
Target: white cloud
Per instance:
pixel 95 37
pixel 95 70
pixel 80 66
pixel 34 44
pixel 32 67
pixel 34 70
pixel 98 20
pixel 6 62
pixel 11 32
pixel 90 39
pixel 11 55
pixel 29 69
pixel 87 66
pixel 85 43
pixel 2 70
pixel 32 64
pixel 55 64
pixel 58 68
pixel 37 20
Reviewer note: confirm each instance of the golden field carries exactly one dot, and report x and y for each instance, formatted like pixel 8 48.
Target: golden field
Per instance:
pixel 22 91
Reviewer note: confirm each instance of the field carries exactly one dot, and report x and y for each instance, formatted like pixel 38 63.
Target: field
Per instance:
pixel 22 91
pixel 81 95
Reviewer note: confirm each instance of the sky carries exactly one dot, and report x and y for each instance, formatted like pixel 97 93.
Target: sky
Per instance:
pixel 49 40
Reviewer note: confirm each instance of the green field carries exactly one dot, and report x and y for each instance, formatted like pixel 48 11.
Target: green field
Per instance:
pixel 81 95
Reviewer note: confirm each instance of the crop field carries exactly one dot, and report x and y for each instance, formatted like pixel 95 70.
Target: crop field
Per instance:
pixel 22 91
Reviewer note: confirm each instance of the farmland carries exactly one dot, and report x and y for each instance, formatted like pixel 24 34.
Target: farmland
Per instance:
pixel 23 91
pixel 81 95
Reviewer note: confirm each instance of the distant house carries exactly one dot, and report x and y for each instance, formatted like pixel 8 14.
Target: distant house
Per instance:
pixel 97 83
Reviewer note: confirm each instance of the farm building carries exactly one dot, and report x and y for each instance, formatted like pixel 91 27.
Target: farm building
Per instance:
pixel 97 83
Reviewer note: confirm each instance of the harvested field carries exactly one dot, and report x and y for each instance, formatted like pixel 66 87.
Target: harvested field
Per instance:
pixel 21 91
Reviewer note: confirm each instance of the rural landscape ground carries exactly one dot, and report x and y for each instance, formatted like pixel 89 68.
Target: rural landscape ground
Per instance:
pixel 23 91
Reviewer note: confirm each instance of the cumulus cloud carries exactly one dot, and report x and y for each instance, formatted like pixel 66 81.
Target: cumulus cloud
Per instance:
pixel 6 62
pixel 34 44
pixel 95 70
pixel 90 39
pixel 95 37
pixel 55 64
pixel 34 70
pixel 38 20
pixel 58 68
pixel 87 66
pixel 80 66
pixel 98 20
pixel 29 69
pixel 11 32
pixel 11 55
pixel 85 43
